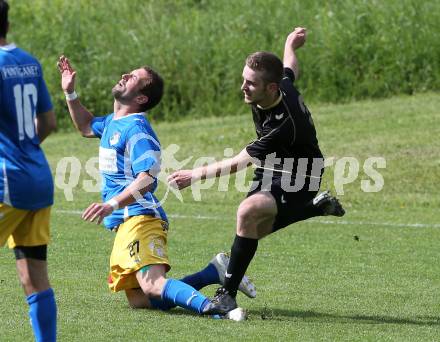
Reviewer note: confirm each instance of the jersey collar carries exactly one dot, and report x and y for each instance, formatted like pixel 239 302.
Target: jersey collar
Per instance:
pixel 8 47
pixel 273 104
pixel 130 115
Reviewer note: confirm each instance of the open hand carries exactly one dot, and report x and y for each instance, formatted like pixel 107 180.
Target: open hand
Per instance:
pixel 67 75
pixel 97 211
pixel 180 179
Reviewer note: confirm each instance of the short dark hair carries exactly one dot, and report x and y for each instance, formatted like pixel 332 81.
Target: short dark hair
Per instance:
pixel 4 8
pixel 153 89
pixel 268 63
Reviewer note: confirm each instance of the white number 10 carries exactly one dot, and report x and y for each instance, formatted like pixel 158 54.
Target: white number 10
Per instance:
pixel 25 105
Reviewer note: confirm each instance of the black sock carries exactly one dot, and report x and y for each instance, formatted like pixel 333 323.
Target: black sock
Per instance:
pixel 242 251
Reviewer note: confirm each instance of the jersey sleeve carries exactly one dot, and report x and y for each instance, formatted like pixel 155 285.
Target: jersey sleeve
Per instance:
pixel 287 85
pixel 98 124
pixel 144 152
pixel 262 147
pixel 44 103
pixel 288 75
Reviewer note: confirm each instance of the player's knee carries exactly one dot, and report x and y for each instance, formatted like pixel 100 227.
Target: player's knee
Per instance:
pixel 25 278
pixel 137 305
pixel 247 219
pixel 152 289
pixel 137 299
pixel 152 280
pixel 251 213
pixel 246 212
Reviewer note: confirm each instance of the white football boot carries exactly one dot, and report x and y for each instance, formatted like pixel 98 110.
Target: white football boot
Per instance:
pixel 221 261
pixel 237 315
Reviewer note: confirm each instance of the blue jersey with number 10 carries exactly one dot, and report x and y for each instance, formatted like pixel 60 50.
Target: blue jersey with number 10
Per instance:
pixel 25 178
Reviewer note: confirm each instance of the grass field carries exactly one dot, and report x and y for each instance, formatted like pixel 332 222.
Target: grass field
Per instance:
pixel 315 281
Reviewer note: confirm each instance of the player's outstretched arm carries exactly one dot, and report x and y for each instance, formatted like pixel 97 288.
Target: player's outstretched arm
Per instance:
pixel 81 117
pixel 294 41
pixel 134 192
pixel 184 178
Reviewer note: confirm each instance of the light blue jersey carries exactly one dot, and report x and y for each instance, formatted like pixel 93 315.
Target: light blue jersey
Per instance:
pixel 128 147
pixel 25 178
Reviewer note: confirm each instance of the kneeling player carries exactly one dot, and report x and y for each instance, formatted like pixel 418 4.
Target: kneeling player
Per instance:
pixel 129 158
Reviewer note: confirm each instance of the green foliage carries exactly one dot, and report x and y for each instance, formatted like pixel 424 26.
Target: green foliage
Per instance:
pixel 356 49
pixel 315 280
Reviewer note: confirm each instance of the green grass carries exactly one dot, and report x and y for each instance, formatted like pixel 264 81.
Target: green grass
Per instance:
pixel 315 281
pixel 356 49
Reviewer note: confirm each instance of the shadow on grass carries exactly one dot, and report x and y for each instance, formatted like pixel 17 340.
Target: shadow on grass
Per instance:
pixel 316 317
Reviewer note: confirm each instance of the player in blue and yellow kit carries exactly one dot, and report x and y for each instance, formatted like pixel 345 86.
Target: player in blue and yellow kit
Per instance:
pixel 129 161
pixel 26 186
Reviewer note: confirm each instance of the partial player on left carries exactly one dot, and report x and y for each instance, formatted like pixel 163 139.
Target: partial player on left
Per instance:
pixel 26 185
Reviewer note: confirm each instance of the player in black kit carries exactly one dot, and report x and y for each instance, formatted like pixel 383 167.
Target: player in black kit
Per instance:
pixel 289 163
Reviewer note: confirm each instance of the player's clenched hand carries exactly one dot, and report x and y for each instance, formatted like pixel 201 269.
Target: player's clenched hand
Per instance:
pixel 297 38
pixel 67 75
pixel 180 179
pixel 97 211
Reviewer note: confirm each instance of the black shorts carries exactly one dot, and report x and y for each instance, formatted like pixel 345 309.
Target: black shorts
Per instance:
pixel 292 206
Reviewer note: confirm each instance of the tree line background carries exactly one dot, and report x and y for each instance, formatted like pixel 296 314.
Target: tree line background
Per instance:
pixel 356 49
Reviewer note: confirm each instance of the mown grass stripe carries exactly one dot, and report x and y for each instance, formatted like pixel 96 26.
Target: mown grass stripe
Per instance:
pixel 312 221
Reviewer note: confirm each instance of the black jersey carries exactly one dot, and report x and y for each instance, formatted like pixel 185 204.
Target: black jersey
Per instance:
pixel 286 131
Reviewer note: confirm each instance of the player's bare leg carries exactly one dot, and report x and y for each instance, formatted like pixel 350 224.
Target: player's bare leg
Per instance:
pixel 33 275
pixel 255 218
pixel 137 299
pixel 152 280
pixel 158 292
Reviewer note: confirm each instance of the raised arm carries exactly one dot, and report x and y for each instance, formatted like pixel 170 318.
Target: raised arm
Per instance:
pixel 294 41
pixel 184 178
pixel 81 117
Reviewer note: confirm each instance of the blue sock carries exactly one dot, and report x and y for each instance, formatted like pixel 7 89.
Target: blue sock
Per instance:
pixel 183 295
pixel 199 280
pixel 205 277
pixel 160 304
pixel 43 314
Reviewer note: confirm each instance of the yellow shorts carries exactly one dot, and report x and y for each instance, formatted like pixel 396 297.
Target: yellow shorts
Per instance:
pixel 24 227
pixel 140 241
